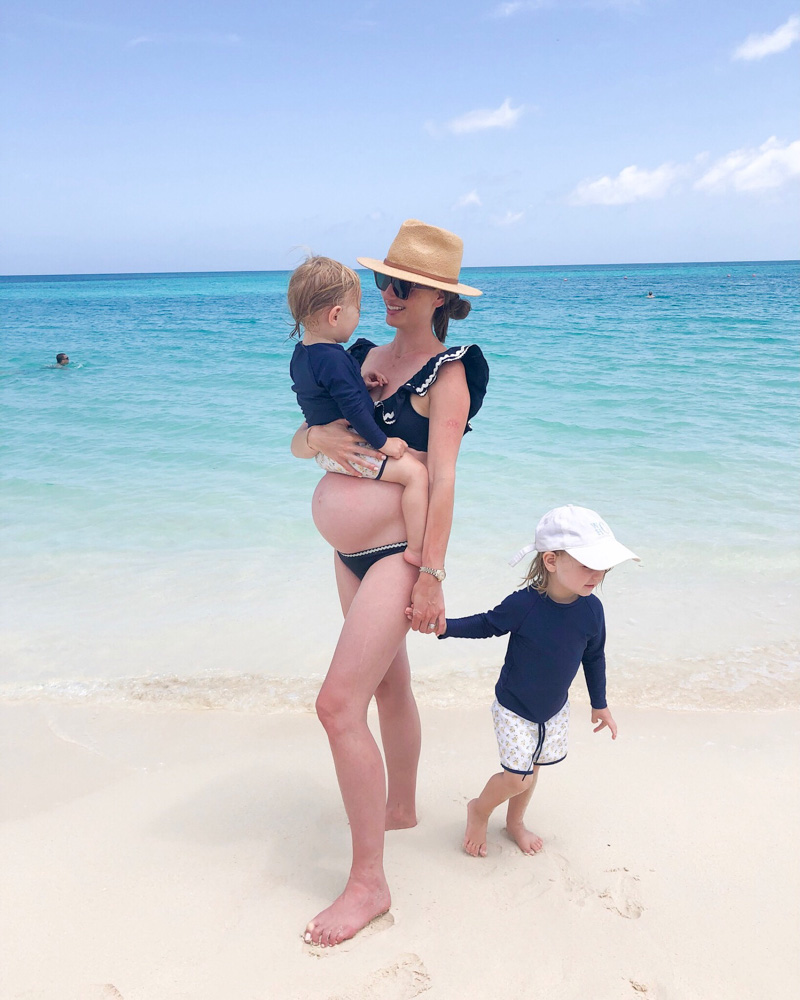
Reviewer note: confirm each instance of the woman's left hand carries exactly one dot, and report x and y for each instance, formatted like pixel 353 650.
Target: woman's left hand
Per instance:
pixel 427 606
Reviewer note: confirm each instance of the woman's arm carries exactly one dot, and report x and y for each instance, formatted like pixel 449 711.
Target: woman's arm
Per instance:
pixel 448 418
pixel 337 442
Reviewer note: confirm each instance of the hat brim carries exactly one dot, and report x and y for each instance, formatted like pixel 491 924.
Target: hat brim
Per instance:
pixel 396 272
pixel 604 555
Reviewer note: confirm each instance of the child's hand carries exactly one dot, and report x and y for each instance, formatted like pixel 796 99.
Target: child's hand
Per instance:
pixel 394 447
pixel 374 380
pixel 604 717
pixel 409 615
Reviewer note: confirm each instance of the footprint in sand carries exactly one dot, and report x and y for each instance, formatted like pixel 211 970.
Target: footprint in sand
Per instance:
pixel 641 991
pixel 404 979
pixel 623 896
pixel 620 895
pixel 576 887
pixel 380 923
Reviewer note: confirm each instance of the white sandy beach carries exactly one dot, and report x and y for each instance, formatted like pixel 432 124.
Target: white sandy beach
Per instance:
pixel 167 855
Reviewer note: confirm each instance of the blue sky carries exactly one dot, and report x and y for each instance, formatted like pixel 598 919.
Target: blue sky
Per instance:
pixel 159 136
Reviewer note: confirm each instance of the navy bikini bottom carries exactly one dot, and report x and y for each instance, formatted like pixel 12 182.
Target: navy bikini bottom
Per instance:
pixel 360 562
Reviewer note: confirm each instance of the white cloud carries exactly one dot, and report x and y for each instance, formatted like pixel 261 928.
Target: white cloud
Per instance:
pixel 631 184
pixel 770 166
pixel 209 38
pixel 773 164
pixel 61 22
pixel 758 46
pixel 509 9
pixel 509 219
pixel 474 121
pixel 513 7
pixel 468 199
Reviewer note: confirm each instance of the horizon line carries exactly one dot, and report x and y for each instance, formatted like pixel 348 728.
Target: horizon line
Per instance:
pixel 474 267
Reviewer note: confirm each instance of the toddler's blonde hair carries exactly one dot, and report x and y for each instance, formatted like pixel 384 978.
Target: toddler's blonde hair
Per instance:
pixel 537 574
pixel 319 283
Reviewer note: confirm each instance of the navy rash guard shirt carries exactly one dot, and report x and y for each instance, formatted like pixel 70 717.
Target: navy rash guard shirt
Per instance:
pixel 329 386
pixel 547 644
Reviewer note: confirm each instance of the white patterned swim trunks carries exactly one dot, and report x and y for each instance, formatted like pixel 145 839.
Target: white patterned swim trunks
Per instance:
pixel 329 465
pixel 523 743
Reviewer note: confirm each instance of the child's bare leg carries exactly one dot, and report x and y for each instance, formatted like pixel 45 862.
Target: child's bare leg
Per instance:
pixel 527 841
pixel 412 475
pixel 498 789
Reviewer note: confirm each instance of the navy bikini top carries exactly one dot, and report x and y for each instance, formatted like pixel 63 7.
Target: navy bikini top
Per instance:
pixel 395 414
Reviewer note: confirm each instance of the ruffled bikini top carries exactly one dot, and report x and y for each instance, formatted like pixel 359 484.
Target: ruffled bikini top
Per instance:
pixel 395 414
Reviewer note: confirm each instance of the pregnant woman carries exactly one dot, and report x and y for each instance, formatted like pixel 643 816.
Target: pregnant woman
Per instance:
pixel 431 392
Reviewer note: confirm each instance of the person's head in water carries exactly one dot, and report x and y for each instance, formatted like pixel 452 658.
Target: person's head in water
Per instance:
pixel 62 360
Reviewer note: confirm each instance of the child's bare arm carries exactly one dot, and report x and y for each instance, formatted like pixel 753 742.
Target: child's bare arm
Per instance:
pixel 604 717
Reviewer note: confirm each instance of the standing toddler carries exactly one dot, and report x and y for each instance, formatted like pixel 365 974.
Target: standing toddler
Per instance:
pixel 555 623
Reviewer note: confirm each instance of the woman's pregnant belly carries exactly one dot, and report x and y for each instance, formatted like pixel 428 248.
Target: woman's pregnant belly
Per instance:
pixel 354 514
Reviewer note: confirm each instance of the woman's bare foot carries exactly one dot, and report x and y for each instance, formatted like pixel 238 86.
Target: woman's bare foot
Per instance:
pixel 413 556
pixel 475 835
pixel 398 818
pixel 346 916
pixel 525 840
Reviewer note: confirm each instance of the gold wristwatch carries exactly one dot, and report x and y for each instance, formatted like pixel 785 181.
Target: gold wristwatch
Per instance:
pixel 438 573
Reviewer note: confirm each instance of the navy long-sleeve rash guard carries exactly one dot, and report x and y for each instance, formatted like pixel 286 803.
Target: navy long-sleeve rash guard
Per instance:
pixel 548 643
pixel 329 386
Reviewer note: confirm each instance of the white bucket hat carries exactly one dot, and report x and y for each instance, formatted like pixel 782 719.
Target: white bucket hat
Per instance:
pixel 580 532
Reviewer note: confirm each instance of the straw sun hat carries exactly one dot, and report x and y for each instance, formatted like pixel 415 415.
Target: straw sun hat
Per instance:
pixel 424 254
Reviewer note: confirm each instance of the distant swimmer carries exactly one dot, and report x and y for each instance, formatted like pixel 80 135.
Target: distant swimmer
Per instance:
pixel 62 360
pixel 650 295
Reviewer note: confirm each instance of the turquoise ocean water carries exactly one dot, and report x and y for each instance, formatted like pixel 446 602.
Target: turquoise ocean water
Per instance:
pixel 157 539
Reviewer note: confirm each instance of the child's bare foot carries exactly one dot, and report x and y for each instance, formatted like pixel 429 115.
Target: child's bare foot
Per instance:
pixel 413 556
pixel 346 916
pixel 525 840
pixel 475 835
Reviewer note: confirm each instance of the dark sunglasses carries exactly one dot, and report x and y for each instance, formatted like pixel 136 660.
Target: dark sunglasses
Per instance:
pixel 401 288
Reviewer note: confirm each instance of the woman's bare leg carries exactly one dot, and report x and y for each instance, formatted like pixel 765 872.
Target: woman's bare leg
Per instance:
pixel 374 628
pixel 401 737
pixel 401 733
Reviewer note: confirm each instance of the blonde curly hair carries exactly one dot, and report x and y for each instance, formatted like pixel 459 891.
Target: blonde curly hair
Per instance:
pixel 319 283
